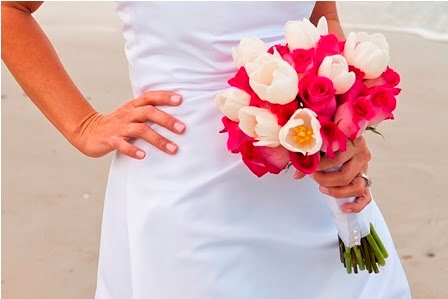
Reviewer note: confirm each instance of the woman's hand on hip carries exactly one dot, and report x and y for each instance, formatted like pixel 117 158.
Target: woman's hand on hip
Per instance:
pixel 345 182
pixel 103 133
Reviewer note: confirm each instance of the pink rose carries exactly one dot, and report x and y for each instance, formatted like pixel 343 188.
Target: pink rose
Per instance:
pixel 333 138
pixel 241 80
pixel 357 90
pixel 317 94
pixel 384 103
pixel 353 116
pixel 236 136
pixel 389 78
pixel 305 163
pixel 261 160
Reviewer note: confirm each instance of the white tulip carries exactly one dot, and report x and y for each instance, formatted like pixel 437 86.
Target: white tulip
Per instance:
pixel 335 68
pixel 231 100
pixel 301 134
pixel 273 79
pixel 303 34
pixel 260 124
pixel 369 53
pixel 248 49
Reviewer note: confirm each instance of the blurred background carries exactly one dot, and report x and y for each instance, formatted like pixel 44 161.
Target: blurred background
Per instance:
pixel 52 196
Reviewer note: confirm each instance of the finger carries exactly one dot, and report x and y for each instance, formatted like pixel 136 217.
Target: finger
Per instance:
pixel 151 113
pixel 355 189
pixel 299 175
pixel 345 175
pixel 127 149
pixel 156 98
pixel 144 132
pixel 342 157
pixel 359 204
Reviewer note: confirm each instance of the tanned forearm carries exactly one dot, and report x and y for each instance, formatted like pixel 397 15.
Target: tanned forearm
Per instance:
pixel 32 60
pixel 328 10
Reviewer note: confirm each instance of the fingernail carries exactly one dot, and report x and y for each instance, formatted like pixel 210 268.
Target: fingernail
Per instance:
pixel 171 147
pixel 324 190
pixel 140 154
pixel 179 127
pixel 176 99
pixel 348 211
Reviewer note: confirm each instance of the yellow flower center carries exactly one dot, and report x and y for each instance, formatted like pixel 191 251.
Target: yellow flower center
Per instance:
pixel 304 135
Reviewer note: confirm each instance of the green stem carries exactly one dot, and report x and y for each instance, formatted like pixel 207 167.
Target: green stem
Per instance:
pixel 355 268
pixel 366 255
pixel 376 250
pixel 348 262
pixel 359 257
pixel 374 265
pixel 378 241
pixel 341 250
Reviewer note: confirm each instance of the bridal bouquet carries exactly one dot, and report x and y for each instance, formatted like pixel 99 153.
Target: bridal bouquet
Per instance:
pixel 291 104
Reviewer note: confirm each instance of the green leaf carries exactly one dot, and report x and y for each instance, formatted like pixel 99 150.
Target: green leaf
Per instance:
pixel 375 130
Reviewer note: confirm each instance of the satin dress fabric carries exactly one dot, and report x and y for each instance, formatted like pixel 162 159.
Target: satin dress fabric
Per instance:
pixel 200 225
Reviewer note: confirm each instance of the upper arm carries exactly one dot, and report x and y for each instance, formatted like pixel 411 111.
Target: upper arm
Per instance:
pixel 25 6
pixel 324 8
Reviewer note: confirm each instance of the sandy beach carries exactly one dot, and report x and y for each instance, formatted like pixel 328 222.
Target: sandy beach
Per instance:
pixel 52 196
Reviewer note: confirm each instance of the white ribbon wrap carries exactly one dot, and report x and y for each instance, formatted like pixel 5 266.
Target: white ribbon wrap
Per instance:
pixel 352 227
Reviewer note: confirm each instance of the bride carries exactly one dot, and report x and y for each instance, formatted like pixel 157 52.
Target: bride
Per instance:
pixel 183 218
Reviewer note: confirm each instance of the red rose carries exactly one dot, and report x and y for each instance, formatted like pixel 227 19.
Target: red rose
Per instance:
pixel 261 159
pixel 359 74
pixel 284 112
pixel 317 94
pixel 327 45
pixel 282 50
pixel 353 116
pixel 333 139
pixel 389 78
pixel 241 80
pixel 302 59
pixel 305 164
pixel 384 103
pixel 236 136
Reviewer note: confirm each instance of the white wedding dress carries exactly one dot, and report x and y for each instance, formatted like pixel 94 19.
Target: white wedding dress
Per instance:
pixel 200 225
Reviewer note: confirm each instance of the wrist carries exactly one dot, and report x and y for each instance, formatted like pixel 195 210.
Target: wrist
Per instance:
pixel 78 132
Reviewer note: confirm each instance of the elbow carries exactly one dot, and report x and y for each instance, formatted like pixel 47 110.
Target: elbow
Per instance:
pixel 23 6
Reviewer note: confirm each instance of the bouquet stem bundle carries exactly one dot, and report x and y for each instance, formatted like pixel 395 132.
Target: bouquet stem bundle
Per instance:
pixel 368 256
